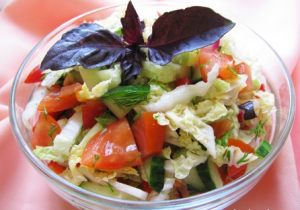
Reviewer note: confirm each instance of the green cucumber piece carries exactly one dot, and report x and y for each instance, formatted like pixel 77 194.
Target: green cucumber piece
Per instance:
pixel 118 112
pixel 196 74
pixel 263 149
pixel 194 182
pixel 221 85
pixel 187 58
pixel 106 191
pixel 155 172
pixel 92 77
pixel 167 73
pixel 209 174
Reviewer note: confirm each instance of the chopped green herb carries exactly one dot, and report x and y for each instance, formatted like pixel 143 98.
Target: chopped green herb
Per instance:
pixel 243 159
pixel 96 158
pixel 53 128
pixel 44 75
pixel 45 113
pixel 227 153
pixel 130 162
pixel 105 119
pixel 111 187
pixel 232 70
pixel 259 129
pixel 138 115
pixel 155 81
pixel 128 96
pixel 103 131
pixel 204 64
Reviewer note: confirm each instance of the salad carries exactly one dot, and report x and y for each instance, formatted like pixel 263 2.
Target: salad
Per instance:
pixel 182 113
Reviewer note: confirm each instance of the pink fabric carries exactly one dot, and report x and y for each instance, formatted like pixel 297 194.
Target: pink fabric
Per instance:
pixel 24 22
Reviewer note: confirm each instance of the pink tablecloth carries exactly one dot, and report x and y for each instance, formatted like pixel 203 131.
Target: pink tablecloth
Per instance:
pixel 24 22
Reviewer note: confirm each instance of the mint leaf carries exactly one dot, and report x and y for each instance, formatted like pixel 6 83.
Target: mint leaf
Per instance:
pixel 185 30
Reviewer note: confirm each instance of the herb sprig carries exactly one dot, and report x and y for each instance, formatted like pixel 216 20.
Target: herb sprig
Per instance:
pixel 92 46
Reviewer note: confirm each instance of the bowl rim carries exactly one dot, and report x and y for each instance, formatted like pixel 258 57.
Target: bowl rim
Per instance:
pixel 56 179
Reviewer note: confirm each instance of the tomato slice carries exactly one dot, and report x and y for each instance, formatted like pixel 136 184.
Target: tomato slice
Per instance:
pixel 112 148
pixel 227 72
pixel 36 75
pixel 183 81
pixel 243 68
pixel 221 127
pixel 242 145
pixel 145 187
pixel 44 131
pixel 90 111
pixel 57 168
pixel 60 98
pixel 149 135
pixel 208 58
pixel 234 172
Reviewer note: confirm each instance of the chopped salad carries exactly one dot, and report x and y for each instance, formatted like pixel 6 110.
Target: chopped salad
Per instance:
pixel 157 133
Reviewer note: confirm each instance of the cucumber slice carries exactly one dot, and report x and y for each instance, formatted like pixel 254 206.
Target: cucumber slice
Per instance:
pixel 209 174
pixel 154 170
pixel 194 182
pixel 92 77
pixel 167 73
pixel 120 113
pixel 187 58
pixel 106 191
pixel 263 149
pixel 157 173
pixel 196 75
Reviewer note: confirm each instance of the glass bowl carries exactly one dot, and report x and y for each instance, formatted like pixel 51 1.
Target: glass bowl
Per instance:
pixel 279 83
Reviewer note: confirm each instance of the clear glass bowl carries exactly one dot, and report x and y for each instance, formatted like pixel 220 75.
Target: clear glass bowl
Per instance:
pixel 279 82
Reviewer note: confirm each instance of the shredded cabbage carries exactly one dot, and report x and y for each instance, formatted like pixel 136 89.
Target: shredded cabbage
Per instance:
pixel 183 94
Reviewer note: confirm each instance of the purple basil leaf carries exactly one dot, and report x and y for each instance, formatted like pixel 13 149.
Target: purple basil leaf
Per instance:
pixel 132 27
pixel 132 62
pixel 185 30
pixel 248 107
pixel 89 45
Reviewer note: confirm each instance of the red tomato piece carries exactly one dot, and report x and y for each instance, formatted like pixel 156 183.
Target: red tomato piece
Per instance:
pixel 149 135
pixel 57 168
pixel 90 111
pixel 221 127
pixel 223 175
pixel 208 58
pixel 36 75
pixel 183 81
pixel 112 148
pixel 243 68
pixel 262 87
pixel 44 131
pixel 242 145
pixel 213 46
pixel 60 98
pixel 227 72
pixel 145 187
pixel 234 172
